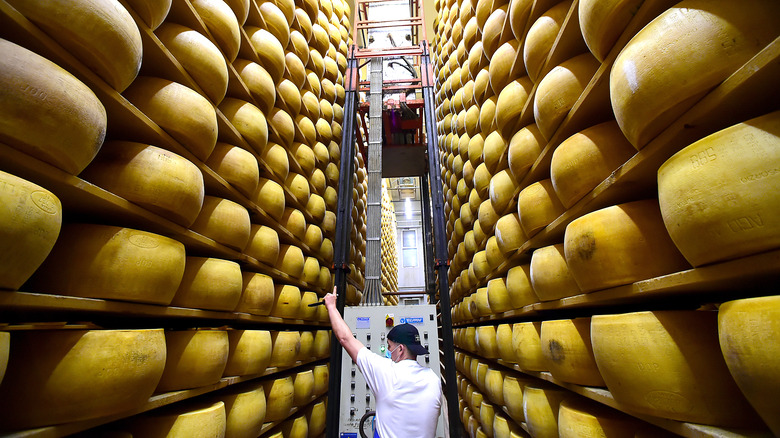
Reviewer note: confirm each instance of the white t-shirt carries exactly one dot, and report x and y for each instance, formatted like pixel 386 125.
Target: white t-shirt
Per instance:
pixel 408 395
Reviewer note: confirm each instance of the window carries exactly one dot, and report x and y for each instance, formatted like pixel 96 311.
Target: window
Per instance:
pixel 409 246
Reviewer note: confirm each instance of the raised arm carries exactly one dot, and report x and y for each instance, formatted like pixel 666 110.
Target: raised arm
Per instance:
pixel 340 327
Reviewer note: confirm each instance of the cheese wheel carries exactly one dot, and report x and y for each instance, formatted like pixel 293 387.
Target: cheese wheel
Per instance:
pixel 560 89
pixel 32 115
pixel 31 218
pixel 237 166
pixel 276 159
pixel 620 245
pixel 479 265
pixel 524 149
pixel 303 385
pixel 501 63
pixel 321 343
pixel 540 408
pixel 99 33
pixel 518 284
pixel 305 130
pixel 209 283
pixel 317 416
pixel 270 197
pixel 502 191
pixel 257 296
pixel 494 385
pixel 306 312
pixel 275 22
pixel 59 376
pixel 746 328
pixel 259 83
pixel 326 250
pixel 737 164
pixel 519 10
pixel 287 301
pixel 480 306
pixel 249 352
pixel 279 398
pixel 199 56
pixel 189 420
pixel 152 12
pixel 248 120
pixel 194 358
pixel 577 418
pixel 296 427
pixel 526 340
pixel 263 244
pixel 504 344
pixel 586 159
pixel 487 217
pixel 311 270
pixel 498 296
pixel 299 187
pixel 183 113
pixel 568 352
pixel 668 364
pixel 486 341
pixel 300 47
pixel 295 222
pixel 101 261
pixel 550 276
pixel 286 346
pixel 680 56
pixel 538 206
pixel 494 153
pixel 510 104
pixel 325 279
pixel 321 376
pixel 541 38
pixel 313 237
pixel 156 179
pixel 505 428
pixel 304 156
pixel 486 414
pixel 509 233
pixel 240 9
pixel 269 51
pixel 224 221
pixel 244 410
pixel 602 23
pixel 307 340
pixel 513 397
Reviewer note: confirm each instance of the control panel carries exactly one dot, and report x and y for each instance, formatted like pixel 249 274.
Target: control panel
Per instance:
pixel 370 325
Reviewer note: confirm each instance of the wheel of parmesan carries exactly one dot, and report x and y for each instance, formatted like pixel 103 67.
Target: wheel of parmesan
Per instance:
pixel 191 419
pixel 152 12
pixel 568 351
pixel 541 37
pixel 270 197
pixel 237 166
pixel 194 358
pixel 540 408
pixel 248 120
pixel 249 352
pixel 550 276
pixel 245 408
pixel 259 82
pixel 224 221
pixel 257 296
pixel 209 283
pixel 602 22
pixel 33 115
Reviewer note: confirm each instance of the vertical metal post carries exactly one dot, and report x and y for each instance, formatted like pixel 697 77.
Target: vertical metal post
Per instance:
pixel 440 242
pixel 342 243
pixel 430 279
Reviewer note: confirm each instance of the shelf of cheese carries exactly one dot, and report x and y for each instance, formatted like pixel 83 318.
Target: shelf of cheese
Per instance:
pixel 603 396
pixel 749 90
pixel 127 121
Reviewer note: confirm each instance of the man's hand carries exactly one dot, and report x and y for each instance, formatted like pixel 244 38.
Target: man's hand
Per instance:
pixel 330 299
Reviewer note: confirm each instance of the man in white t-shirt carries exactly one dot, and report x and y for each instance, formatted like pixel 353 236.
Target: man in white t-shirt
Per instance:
pixel 408 395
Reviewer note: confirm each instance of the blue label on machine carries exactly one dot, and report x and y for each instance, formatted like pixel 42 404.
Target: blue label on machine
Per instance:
pixel 348 435
pixel 364 322
pixel 412 320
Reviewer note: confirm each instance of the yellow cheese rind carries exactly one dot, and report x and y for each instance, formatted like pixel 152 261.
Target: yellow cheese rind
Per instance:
pixel 257 296
pixel 538 206
pixel 245 411
pixel 199 56
pixel 209 283
pixel 258 81
pixel 738 164
pixel 270 197
pixel 680 56
pixel 33 118
pixel 602 22
pixel 316 415
pixel 279 398
pixel 183 113
pixel 525 146
pixel 286 348
pixel 225 221
pixel 263 244
pixel 568 352
pixel 30 221
pixel 237 166
pixel 578 418
pixel 526 340
pixel 303 384
pixel 746 330
pixel 269 50
pixel 248 120
pixel 152 12
pixel 101 261
pixel 540 408
pixel 156 179
pixel 541 37
pixel 194 358
pixel 510 104
pixel 287 301
pixel 188 420
pixel 222 23
pixel 669 364
pixel 550 276
pixel 249 352
pixel 620 245
pixel 518 284
pixel 100 33
pixel 71 375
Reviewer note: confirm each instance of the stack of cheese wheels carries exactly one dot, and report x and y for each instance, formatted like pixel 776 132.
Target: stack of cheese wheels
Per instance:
pixel 286 346
pixel 541 407
pixel 585 159
pixel 181 111
pixel 279 395
pixel 209 283
pixel 568 352
pixel 619 245
pixel 746 328
pixel 154 178
pixel 100 33
pixel 58 376
pixel 101 261
pixel 190 419
pixel 194 358
pixel 680 56
pixel 82 126
pixel 199 56
pixel 249 352
pixel 578 417
pixel 245 407
pixel 31 217
pixel 737 164
pixel 669 364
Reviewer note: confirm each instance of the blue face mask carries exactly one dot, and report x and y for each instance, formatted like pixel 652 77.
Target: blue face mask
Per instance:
pixel 389 353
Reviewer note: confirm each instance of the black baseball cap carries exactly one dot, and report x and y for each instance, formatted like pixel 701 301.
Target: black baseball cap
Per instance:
pixel 408 335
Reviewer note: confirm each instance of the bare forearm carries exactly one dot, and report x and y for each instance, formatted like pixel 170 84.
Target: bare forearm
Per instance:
pixel 339 326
